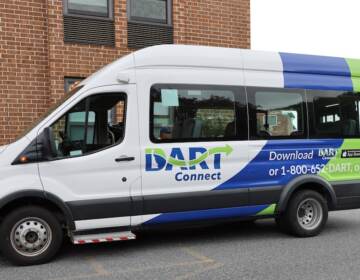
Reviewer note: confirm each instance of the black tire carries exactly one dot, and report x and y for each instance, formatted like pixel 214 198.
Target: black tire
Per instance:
pixel 305 215
pixel 35 219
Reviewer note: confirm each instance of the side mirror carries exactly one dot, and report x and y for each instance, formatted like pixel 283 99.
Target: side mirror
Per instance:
pixel 41 148
pixel 48 148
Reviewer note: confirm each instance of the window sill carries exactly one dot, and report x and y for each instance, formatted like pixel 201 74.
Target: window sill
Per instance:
pixel 89 17
pixel 153 23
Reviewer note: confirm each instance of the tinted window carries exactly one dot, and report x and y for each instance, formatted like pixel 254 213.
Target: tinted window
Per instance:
pixel 93 124
pixel 149 10
pixel 196 113
pixel 276 113
pixel 333 114
pixel 89 7
pixel 76 125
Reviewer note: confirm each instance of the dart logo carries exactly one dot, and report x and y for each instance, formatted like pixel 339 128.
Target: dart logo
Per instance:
pixel 198 157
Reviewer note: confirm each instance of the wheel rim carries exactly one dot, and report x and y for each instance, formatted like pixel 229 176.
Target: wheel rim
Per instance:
pixel 31 237
pixel 309 214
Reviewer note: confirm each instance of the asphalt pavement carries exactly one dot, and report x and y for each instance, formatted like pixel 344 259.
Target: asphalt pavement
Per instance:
pixel 232 251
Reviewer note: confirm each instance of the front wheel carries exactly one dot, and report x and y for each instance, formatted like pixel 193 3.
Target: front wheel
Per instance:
pixel 30 235
pixel 306 214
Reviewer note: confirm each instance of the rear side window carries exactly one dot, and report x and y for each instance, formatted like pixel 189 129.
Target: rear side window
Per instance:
pixel 181 113
pixel 333 114
pixel 276 113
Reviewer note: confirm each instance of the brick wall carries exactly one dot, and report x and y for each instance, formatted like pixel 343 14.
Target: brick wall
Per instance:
pixel 212 22
pixel 35 59
pixel 24 75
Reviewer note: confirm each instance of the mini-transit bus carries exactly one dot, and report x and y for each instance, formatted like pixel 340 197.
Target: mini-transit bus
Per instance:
pixel 175 135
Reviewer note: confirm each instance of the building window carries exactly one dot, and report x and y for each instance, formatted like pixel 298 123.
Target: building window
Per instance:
pixel 157 11
pixel 276 113
pixel 89 22
pixel 97 8
pixel 70 82
pixel 150 23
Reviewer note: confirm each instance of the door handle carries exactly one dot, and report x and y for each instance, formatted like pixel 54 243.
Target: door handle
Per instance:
pixel 124 158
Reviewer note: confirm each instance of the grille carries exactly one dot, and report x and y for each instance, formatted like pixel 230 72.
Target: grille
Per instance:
pixel 141 35
pixel 89 31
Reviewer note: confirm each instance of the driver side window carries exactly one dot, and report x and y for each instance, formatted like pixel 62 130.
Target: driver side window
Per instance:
pixel 93 124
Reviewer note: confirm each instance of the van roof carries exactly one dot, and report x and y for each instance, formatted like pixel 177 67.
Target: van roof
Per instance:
pixel 215 57
pixel 299 70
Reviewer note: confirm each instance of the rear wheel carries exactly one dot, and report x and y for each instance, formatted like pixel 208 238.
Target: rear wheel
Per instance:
pixel 306 214
pixel 30 235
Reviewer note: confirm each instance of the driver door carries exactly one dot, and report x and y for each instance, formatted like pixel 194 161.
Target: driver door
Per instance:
pixel 95 159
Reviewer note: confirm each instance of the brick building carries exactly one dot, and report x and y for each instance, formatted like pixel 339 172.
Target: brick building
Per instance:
pixel 45 45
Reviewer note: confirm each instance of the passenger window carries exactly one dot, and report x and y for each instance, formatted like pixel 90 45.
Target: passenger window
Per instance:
pixel 93 124
pixel 276 113
pixel 76 125
pixel 193 113
pixel 334 114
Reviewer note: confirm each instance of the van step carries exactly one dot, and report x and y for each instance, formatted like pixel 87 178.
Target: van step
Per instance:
pixel 103 237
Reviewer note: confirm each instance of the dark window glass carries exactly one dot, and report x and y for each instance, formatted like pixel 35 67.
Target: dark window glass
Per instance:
pixel 89 7
pixel 93 124
pixel 276 113
pixel 333 114
pixel 149 10
pixel 196 113
pixel 69 83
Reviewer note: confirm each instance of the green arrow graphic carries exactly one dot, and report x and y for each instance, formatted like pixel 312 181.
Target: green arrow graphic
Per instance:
pixel 219 150
pixel 201 158
pixel 155 151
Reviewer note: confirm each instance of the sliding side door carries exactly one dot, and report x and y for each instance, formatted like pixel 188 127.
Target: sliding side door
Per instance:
pixel 194 149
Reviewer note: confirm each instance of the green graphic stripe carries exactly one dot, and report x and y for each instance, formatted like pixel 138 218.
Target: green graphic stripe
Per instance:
pixel 270 210
pixel 227 150
pixel 182 163
pixel 203 157
pixel 354 65
pixel 155 151
pixel 342 169
pixel 356 84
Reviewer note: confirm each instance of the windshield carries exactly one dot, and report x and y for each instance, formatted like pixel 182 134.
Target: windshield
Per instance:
pixel 49 111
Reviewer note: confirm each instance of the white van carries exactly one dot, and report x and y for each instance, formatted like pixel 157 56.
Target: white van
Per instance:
pixel 174 135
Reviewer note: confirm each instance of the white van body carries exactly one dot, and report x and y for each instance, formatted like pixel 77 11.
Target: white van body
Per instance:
pixel 98 176
pixel 109 193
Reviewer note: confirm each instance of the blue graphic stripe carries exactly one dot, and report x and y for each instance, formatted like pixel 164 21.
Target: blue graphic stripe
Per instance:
pixel 256 173
pixel 207 214
pixel 313 64
pixel 317 82
pixel 316 72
